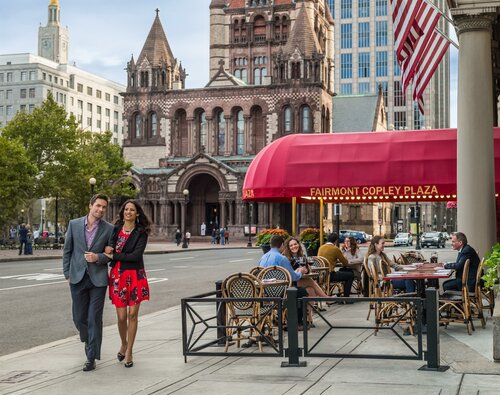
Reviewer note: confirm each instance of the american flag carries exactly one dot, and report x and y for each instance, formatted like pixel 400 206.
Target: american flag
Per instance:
pixel 419 48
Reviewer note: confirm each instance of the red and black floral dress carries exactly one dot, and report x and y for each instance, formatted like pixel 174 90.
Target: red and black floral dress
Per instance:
pixel 127 287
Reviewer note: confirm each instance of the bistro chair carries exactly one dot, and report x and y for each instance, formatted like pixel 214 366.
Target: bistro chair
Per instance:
pixel 323 275
pixel 254 271
pixel 455 306
pixel 243 316
pixel 476 297
pixel 410 257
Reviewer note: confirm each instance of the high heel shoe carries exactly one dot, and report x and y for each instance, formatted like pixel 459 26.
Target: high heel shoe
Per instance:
pixel 120 356
pixel 129 364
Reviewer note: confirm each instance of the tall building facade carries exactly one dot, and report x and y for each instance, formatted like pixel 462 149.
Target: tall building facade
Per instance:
pixel 26 80
pixel 365 59
pixel 271 74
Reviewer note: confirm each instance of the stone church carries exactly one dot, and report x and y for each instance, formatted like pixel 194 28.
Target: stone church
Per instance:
pixel 271 74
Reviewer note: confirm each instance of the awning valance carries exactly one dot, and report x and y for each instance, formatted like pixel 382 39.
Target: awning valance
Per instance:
pixel 359 167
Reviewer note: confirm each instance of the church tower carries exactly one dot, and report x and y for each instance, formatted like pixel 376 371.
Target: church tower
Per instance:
pixel 53 39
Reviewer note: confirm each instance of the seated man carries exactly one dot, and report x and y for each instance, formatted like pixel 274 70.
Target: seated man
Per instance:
pixel 331 252
pixel 274 258
pixel 465 251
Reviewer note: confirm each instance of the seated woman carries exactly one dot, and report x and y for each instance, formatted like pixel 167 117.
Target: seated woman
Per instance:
pixel 293 251
pixel 378 259
pixel 353 255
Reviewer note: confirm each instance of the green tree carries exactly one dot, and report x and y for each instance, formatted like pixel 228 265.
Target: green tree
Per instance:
pixel 16 180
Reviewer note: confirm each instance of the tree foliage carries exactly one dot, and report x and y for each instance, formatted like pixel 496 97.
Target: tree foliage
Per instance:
pixel 63 158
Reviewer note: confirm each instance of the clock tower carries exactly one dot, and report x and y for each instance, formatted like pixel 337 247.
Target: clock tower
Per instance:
pixel 53 39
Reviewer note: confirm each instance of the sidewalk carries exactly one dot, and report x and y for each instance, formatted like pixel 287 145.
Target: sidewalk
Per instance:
pixel 159 365
pixel 153 247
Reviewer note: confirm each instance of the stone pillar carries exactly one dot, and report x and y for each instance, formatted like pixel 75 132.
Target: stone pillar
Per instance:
pixel 228 138
pixel 248 136
pixel 475 154
pixel 176 214
pixel 191 141
pixel 210 136
pixel 222 222
pixel 230 219
pixel 183 217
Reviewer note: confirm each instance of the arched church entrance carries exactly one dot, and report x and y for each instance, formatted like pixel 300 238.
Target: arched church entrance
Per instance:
pixel 203 204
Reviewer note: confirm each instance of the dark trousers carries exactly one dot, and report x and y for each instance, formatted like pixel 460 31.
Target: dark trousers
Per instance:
pixel 88 305
pixel 455 284
pixel 346 276
pixel 23 244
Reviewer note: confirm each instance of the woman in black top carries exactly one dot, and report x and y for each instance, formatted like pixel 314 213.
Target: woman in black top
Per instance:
pixel 128 285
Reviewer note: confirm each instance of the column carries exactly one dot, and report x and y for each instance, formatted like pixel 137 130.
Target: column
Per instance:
pixel 191 142
pixel 228 138
pixel 222 222
pixel 210 132
pixel 176 214
pixel 183 218
pixel 248 136
pixel 475 154
pixel 230 220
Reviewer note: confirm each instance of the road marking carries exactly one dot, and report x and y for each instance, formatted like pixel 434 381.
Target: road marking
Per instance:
pixel 32 285
pixel 58 268
pixel 181 267
pixel 156 280
pixel 253 252
pixel 240 260
pixel 180 259
pixel 154 270
pixel 35 276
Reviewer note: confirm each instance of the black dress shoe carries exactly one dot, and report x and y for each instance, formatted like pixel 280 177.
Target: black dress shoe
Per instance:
pixel 88 366
pixel 128 364
pixel 120 356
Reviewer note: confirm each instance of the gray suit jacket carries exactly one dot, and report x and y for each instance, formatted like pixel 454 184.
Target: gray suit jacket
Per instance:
pixel 74 263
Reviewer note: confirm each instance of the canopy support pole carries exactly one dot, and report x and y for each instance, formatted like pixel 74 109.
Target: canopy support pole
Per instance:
pixel 321 210
pixel 294 216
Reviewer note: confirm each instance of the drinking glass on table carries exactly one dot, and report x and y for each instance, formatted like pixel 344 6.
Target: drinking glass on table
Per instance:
pixel 434 257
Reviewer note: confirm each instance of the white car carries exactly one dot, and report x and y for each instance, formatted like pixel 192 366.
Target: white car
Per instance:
pixel 403 239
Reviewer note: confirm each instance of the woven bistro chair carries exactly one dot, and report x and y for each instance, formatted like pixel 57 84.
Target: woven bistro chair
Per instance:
pixel 476 297
pixel 323 275
pixel 454 306
pixel 255 270
pixel 243 317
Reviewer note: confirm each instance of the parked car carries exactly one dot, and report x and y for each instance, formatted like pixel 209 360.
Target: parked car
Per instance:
pixel 358 236
pixel 435 239
pixel 446 235
pixel 403 239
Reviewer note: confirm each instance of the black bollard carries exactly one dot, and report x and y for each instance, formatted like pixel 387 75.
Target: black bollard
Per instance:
pixel 221 315
pixel 293 331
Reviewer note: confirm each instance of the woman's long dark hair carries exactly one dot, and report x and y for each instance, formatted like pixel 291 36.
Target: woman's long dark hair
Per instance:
pixel 286 249
pixel 142 221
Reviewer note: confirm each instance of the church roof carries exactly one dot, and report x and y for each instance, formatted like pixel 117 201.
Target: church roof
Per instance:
pixel 223 79
pixel 218 3
pixel 156 47
pixel 355 113
pixel 302 36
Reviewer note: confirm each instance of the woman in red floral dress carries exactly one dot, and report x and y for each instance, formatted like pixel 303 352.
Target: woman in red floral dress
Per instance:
pixel 128 285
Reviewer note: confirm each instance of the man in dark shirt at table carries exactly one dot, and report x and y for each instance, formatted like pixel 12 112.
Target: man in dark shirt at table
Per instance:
pixel 465 251
pixel 275 258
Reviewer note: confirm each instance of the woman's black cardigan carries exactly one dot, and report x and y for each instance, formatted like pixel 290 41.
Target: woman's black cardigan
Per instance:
pixel 132 255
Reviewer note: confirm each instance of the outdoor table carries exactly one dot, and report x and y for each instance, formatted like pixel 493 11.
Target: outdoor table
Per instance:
pixel 276 283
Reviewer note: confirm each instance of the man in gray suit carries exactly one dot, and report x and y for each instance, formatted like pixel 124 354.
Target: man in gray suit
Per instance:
pixel 86 268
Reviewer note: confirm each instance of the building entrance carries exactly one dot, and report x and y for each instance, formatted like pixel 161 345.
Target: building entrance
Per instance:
pixel 203 204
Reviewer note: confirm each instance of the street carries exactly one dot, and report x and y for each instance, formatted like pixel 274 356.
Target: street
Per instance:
pixel 36 306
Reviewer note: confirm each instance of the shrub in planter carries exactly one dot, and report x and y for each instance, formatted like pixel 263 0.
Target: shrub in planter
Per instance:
pixel 310 238
pixel 492 267
pixel 264 237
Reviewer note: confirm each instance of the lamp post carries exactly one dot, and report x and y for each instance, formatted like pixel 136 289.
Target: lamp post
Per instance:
pixel 42 220
pixel 435 222
pixel 380 208
pixel 92 182
pixel 250 218
pixel 185 192
pixel 22 215
pixel 409 220
pixel 423 221
pixel 417 213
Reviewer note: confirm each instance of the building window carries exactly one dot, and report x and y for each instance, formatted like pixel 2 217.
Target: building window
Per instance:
pixel 364 64
pixel 2 95
pixel 418 117
pixel 381 7
pixel 137 125
pixel 98 124
pixel 107 96
pixel 10 110
pixel 287 120
pixel 381 64
pixel 115 99
pixel 9 77
pixel 80 105
pixel 346 9
pixel 108 112
pixel 221 133
pixel 31 108
pixel 257 77
pixel 296 73
pixel 259 29
pixel 153 125
pixel 399 97
pixel 79 87
pixel 240 133
pixel 22 108
pixel 89 91
pixel 1 77
pixel 363 87
pixel 89 121
pixel 364 34
pixel 32 75
pixel 24 75
pixel 89 107
pixel 23 94
pixel 1 110
pixel 397 69
pixel 202 129
pixel 306 119
pixel 98 93
pixel 346 35
pixel 399 120
pixel 8 94
pixel 346 65
pixel 115 116
pixel 346 89
pixel 381 33
pixel 32 93
pixel 99 110
pixel 364 8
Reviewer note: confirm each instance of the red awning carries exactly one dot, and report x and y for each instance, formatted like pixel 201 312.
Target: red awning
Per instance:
pixel 365 167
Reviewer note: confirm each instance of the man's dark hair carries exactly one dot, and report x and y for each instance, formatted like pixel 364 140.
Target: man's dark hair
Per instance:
pixel 332 238
pixel 99 196
pixel 461 237
pixel 277 241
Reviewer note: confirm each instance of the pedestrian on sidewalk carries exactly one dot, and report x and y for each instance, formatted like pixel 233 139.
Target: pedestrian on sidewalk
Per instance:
pixel 128 284
pixel 213 236
pixel 86 268
pixel 188 237
pixel 217 235
pixel 28 247
pixel 178 236
pixel 226 236
pixel 222 236
pixel 23 238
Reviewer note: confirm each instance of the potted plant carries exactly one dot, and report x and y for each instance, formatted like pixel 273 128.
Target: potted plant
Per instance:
pixel 264 237
pixel 492 268
pixel 310 238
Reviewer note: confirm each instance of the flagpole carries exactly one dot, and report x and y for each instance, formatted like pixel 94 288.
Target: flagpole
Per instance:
pixel 440 11
pixel 446 37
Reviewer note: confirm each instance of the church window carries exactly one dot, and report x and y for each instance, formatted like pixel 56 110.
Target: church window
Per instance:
pixel 258 129
pixel 202 129
pixel 153 124
pixel 240 133
pixel 244 75
pixel 144 79
pixel 221 133
pixel 257 76
pixel 259 29
pixel 137 125
pixel 306 120
pixel 287 120
pixel 296 70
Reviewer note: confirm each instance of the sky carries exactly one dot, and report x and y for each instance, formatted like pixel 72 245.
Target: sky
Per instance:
pixel 103 34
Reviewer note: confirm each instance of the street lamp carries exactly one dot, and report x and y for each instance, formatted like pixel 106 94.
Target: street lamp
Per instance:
pixel 417 213
pixel 22 215
pixel 380 207
pixel 409 220
pixel 92 182
pixel 185 192
pixel 250 217
pixel 435 222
